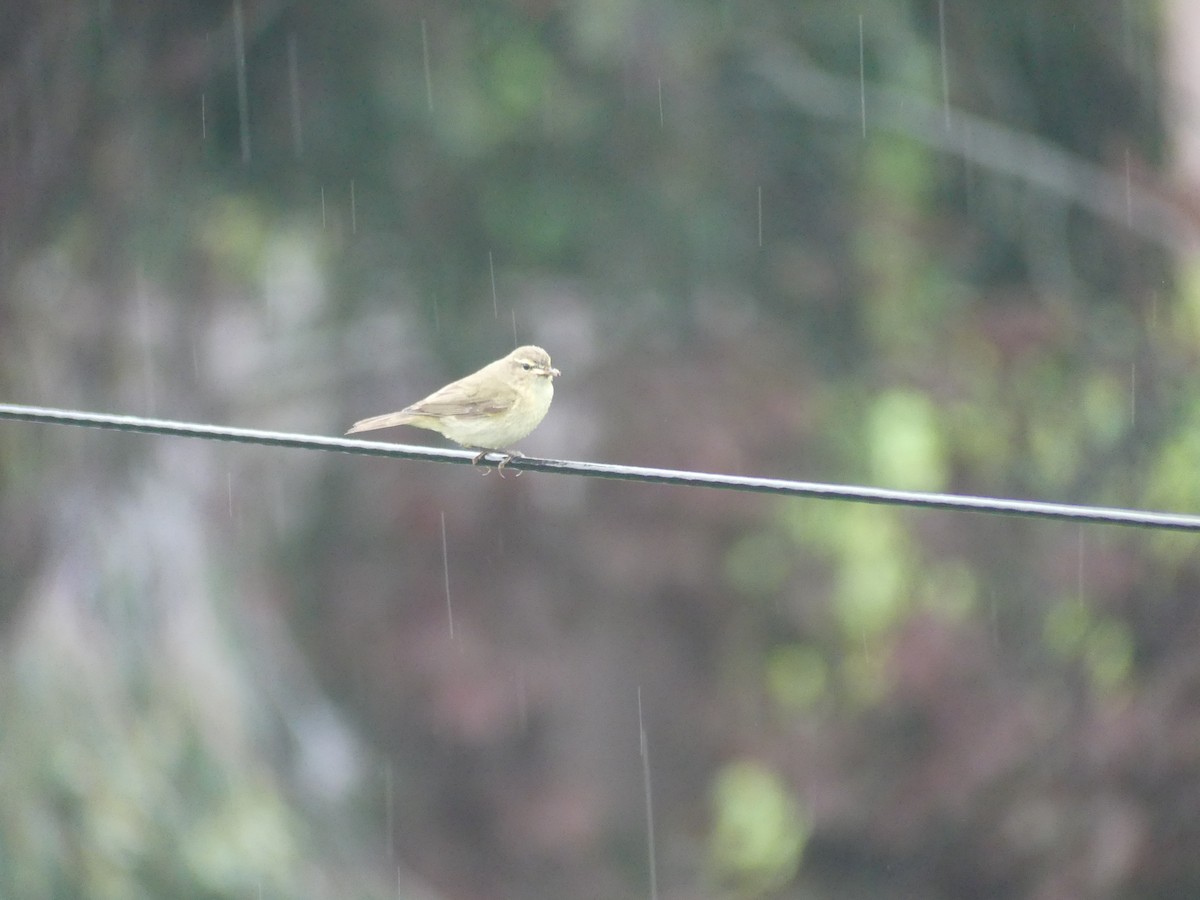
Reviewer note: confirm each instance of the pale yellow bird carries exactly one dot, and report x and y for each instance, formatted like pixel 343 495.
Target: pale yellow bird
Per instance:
pixel 489 410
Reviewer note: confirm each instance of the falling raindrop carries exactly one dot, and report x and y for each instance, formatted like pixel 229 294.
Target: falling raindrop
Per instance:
pixel 446 575
pixel 239 41
pixel 945 72
pixel 389 799
pixel 522 702
pixel 1132 394
pixel 645 752
pixel 492 272
pixel 294 89
pixel 760 215
pixel 425 57
pixel 968 167
pixel 862 77
pixel 1128 192
pixel 516 342
pixel 353 210
pixel 661 117
pixel 147 342
pixel 229 492
pixel 203 96
pixel 322 207
pixel 1079 569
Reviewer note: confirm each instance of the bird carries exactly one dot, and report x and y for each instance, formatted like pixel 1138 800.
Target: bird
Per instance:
pixel 489 410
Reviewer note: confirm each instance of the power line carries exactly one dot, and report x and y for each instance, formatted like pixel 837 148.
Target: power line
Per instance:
pixel 816 490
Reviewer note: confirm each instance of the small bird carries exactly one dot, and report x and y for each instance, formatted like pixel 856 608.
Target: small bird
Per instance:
pixel 489 410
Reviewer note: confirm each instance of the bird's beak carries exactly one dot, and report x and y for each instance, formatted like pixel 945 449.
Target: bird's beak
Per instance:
pixel 554 372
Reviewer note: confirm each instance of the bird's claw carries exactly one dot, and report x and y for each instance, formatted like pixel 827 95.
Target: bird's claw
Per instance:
pixel 505 458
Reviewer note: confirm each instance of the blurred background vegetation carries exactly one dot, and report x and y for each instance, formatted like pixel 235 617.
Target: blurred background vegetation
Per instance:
pixel 919 244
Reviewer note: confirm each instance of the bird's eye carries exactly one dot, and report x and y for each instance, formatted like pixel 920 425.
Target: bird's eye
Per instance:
pixel 526 366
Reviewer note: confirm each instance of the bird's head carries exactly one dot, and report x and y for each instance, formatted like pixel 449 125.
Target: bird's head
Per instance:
pixel 531 362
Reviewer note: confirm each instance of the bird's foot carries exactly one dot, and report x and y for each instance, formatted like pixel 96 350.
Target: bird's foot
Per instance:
pixel 506 456
pixel 509 456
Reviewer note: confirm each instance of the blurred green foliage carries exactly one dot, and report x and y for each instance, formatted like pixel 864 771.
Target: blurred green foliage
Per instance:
pixel 110 798
pixel 758 832
pixel 743 258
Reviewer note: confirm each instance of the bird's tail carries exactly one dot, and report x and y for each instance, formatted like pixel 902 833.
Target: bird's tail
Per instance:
pixel 385 421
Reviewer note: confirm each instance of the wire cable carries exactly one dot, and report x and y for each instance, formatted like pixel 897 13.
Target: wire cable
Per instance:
pixel 816 490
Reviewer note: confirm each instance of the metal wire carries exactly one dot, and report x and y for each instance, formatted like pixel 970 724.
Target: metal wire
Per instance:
pixel 816 490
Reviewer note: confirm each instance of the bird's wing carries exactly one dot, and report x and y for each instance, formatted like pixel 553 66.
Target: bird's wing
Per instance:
pixel 466 398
